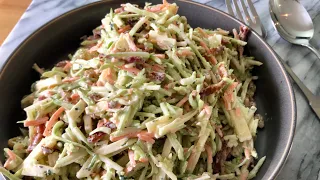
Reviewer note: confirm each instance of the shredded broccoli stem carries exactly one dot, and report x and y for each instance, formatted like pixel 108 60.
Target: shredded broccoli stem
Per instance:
pixel 146 96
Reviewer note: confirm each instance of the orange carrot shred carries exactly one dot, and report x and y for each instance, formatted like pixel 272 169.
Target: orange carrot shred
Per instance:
pixel 36 122
pixel 54 118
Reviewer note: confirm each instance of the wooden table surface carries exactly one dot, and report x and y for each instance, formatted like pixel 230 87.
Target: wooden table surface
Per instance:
pixel 10 13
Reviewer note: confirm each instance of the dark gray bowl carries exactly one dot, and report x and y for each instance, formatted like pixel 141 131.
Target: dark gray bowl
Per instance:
pixel 55 40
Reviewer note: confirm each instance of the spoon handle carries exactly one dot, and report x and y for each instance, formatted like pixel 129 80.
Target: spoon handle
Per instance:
pixel 313 49
pixel 303 88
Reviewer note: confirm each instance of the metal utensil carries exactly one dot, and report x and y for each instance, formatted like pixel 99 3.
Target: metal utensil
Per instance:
pixel 293 23
pixel 253 22
pixel 314 100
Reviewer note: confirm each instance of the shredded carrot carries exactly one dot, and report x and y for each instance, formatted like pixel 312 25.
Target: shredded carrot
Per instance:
pixel 185 53
pixel 202 44
pixel 238 112
pixel 244 175
pixel 54 118
pixel 124 29
pixel 182 101
pixel 212 59
pixel 204 34
pixel 206 108
pixel 68 66
pixel 75 96
pixel 161 56
pixel 144 160
pixel 209 154
pixel 131 158
pixel 156 8
pixel 142 135
pixel 36 122
pixel 70 79
pixel 146 138
pixel 6 164
pixel 11 155
pixel 218 129
pixel 132 70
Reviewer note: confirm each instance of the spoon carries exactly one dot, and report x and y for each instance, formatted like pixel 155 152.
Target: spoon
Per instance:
pixel 293 22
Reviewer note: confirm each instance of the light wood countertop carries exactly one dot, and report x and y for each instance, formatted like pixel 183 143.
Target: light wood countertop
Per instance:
pixel 10 13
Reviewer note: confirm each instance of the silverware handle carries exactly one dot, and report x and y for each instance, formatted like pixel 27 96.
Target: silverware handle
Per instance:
pixel 303 88
pixel 313 49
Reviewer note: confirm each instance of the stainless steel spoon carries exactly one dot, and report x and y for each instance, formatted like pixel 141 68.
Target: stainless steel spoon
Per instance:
pixel 293 22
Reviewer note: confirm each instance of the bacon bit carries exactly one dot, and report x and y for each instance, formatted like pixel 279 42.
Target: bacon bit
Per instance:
pixel 209 154
pixel 54 118
pixel 217 50
pixel 124 29
pixel 134 59
pixel 243 32
pixel 70 79
pixel 96 47
pixel 158 68
pixel 186 107
pixel 132 70
pixel 46 150
pixel 240 49
pixel 34 141
pixel 201 31
pixel 140 46
pixel 119 10
pixel 182 101
pixel 228 95
pixel 131 158
pixel 96 137
pixel 36 122
pixel 106 123
pixel 161 56
pixel 62 63
pixel 222 71
pixel 212 88
pixel 95 97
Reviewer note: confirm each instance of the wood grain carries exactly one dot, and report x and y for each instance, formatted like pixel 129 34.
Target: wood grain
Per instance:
pixel 10 13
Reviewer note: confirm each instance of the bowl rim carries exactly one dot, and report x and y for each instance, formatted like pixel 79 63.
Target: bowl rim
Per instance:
pixel 293 118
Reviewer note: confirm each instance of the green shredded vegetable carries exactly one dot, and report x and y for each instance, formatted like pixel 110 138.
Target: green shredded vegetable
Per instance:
pixel 146 96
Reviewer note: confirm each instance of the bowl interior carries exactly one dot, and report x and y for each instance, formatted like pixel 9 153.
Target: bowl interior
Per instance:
pixel 54 41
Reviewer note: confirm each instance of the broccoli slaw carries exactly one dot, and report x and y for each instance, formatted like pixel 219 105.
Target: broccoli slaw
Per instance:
pixel 145 97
